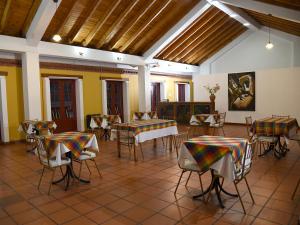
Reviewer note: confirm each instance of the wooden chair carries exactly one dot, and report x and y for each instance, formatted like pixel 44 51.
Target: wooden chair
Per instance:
pixel 296 138
pixel 186 165
pixel 47 161
pixel 220 123
pixel 266 140
pixel 126 138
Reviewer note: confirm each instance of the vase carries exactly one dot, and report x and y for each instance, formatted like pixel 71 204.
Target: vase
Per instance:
pixel 212 98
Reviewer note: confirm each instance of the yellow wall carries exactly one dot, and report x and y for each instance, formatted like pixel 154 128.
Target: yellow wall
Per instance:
pixel 91 92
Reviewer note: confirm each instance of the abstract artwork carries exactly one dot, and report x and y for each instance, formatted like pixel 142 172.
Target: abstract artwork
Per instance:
pixel 241 91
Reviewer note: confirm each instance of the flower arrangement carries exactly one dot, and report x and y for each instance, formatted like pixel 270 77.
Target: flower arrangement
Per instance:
pixel 212 90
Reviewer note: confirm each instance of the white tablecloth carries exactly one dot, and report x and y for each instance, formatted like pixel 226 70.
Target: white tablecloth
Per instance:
pixel 210 119
pixel 149 135
pixel 104 123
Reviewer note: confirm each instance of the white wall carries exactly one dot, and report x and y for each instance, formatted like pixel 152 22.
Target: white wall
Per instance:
pixel 277 92
pixel 251 54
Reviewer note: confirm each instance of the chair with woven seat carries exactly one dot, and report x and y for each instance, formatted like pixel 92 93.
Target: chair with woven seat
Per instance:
pixel 126 138
pixel 220 123
pixel 84 157
pixel 296 137
pixel 47 161
pixel 185 164
pixel 268 139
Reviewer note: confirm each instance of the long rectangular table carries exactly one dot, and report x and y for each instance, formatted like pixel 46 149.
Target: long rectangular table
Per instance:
pixel 145 130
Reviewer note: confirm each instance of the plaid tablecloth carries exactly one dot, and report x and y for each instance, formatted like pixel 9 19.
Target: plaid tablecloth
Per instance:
pixel 75 142
pixel 206 150
pixel 28 126
pixel 144 130
pixel 281 126
pixel 144 115
pixel 104 121
pixel 199 119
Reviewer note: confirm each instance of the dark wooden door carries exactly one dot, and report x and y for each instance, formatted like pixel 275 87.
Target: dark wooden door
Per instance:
pixel 63 104
pixel 115 98
pixel 155 95
pixel 181 92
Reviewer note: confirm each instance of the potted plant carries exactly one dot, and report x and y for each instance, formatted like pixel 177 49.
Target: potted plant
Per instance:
pixel 212 91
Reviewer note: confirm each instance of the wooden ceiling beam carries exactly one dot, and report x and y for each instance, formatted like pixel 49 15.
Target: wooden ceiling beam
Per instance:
pixel 265 8
pixel 116 39
pixel 205 33
pixel 30 15
pixel 212 35
pixel 100 23
pixel 228 32
pixel 113 29
pixel 199 9
pixel 5 15
pixel 200 29
pixel 87 13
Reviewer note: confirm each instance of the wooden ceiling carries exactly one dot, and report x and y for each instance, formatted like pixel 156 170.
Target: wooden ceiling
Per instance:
pixel 291 4
pixel 127 26
pixel 16 16
pixel 208 34
pixel 275 22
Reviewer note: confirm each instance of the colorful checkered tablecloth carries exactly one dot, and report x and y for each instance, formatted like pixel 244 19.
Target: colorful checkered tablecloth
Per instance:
pixel 138 127
pixel 206 150
pixel 28 126
pixel 281 126
pixel 75 142
pixel 103 121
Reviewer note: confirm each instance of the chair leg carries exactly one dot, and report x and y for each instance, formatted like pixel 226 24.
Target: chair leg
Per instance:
pixel 178 182
pixel 210 189
pixel 41 177
pixel 249 190
pixel 294 193
pixel 80 167
pixel 223 131
pixel 97 167
pixel 53 173
pixel 201 185
pixel 62 173
pixel 87 165
pixel 188 178
pixel 142 151
pixel 237 190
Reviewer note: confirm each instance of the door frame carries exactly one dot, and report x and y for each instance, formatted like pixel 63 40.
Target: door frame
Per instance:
pixel 126 98
pixel 3 113
pixel 187 88
pixel 163 89
pixel 78 93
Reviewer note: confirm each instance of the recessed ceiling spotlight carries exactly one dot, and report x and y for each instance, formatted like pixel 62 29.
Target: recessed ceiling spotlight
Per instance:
pixel 56 38
pixel 246 24
pixel 233 15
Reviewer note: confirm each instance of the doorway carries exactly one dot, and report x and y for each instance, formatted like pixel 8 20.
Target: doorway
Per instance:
pixel 114 91
pixel 63 104
pixel 155 95
pixel 181 92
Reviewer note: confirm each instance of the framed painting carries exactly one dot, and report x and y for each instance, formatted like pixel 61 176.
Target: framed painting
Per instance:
pixel 241 91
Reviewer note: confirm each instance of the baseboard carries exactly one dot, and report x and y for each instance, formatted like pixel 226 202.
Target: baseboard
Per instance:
pixel 239 124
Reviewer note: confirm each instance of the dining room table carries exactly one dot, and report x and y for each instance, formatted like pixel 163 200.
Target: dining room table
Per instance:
pixel 216 154
pixel 280 127
pixel 145 130
pixel 71 145
pixel 104 122
pixel 204 121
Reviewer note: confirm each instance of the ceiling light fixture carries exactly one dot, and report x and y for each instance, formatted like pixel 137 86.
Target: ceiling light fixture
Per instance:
pixel 246 24
pixel 56 37
pixel 269 45
pixel 233 15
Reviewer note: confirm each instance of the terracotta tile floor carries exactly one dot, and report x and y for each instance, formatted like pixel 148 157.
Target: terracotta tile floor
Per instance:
pixel 142 192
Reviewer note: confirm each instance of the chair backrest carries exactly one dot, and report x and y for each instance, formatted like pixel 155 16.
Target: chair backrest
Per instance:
pixel 281 116
pixel 249 123
pixel 125 134
pixel 243 166
pixel 41 151
pixel 179 139
pixel 222 117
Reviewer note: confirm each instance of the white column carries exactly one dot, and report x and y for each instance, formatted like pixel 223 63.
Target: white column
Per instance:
pixel 31 85
pixel 47 98
pixel 104 97
pixel 79 105
pixel 163 90
pixel 126 101
pixel 144 89
pixel 3 111
pixel 187 88
pixel 176 92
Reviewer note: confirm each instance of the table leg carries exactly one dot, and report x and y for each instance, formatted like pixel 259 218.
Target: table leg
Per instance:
pixel 134 150
pixel 118 144
pixel 170 143
pixel 155 143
